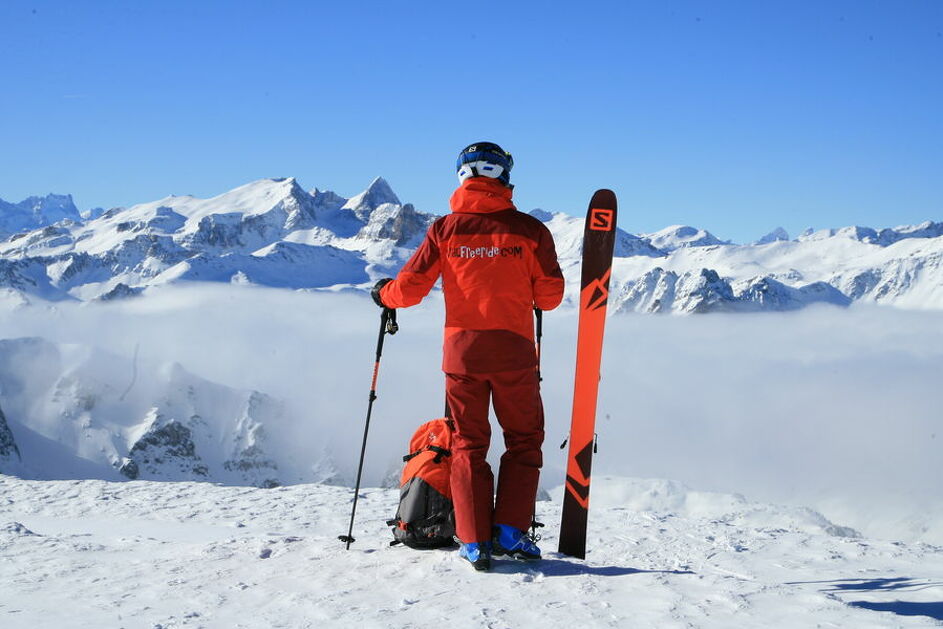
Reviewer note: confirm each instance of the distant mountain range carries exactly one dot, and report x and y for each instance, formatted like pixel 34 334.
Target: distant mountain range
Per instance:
pixel 272 232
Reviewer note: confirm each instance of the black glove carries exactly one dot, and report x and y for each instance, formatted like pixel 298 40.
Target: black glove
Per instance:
pixel 375 293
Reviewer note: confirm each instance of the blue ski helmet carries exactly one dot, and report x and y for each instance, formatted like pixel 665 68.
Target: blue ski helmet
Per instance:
pixel 485 159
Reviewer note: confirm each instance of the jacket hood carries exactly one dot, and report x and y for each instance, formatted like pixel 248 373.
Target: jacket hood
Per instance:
pixel 481 195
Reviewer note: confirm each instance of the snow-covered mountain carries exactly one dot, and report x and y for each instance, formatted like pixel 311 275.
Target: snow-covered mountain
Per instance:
pixel 678 236
pixel 36 212
pixel 65 416
pixel 272 232
pixel 568 239
pixel 848 265
pixel 777 234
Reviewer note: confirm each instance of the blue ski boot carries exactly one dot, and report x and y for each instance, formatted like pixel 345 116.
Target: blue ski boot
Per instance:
pixel 514 543
pixel 478 555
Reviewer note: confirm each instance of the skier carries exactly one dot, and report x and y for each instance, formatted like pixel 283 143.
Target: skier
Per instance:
pixel 497 265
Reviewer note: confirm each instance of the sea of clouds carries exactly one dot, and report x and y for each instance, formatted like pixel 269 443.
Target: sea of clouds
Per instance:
pixel 837 409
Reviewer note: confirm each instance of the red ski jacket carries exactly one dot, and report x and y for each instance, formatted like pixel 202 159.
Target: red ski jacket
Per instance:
pixel 497 265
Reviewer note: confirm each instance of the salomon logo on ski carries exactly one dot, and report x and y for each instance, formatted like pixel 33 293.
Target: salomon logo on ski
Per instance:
pixel 601 219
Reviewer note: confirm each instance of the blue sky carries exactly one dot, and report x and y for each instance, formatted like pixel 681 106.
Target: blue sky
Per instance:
pixel 733 116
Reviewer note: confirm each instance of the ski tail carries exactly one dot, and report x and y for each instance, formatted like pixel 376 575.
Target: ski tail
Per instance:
pixel 598 245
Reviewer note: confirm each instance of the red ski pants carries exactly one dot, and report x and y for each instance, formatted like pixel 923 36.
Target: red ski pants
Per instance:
pixel 517 405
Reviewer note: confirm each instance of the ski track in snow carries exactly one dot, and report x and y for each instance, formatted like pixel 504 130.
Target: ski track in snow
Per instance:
pixel 92 553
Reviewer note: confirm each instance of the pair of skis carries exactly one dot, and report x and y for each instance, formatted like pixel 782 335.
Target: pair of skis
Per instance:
pixel 599 237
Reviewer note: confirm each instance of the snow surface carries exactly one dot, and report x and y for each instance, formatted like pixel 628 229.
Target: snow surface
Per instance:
pixel 169 555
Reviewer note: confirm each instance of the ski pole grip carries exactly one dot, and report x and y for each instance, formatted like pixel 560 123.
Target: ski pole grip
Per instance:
pixel 391 326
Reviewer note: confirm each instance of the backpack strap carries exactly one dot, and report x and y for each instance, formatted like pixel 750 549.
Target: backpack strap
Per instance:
pixel 440 452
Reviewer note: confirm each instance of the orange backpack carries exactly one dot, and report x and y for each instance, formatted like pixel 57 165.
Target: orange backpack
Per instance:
pixel 425 517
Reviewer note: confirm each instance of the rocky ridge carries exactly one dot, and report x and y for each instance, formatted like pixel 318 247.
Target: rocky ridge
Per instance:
pixel 9 453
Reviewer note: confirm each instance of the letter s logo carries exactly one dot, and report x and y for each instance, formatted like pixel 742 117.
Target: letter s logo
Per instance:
pixel 600 220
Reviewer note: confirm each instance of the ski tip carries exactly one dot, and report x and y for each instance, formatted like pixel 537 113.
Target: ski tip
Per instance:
pixel 603 198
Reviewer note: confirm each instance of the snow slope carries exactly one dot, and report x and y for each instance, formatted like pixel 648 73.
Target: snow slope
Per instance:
pixel 173 555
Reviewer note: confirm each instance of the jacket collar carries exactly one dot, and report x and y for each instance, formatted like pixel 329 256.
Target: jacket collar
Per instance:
pixel 481 195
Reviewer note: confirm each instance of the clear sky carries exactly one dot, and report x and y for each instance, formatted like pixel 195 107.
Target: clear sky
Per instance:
pixel 735 116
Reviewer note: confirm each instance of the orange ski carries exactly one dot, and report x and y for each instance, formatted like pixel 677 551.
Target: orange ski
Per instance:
pixel 599 237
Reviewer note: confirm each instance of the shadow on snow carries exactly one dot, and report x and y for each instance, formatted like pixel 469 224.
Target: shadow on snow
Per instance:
pixel 564 568
pixel 903 608
pixel 897 584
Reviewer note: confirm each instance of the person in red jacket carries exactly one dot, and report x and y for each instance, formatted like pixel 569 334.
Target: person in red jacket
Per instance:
pixel 497 265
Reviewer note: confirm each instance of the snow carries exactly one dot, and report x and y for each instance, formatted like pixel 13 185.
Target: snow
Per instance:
pixel 250 199
pixel 678 236
pixel 138 554
pixel 377 193
pixel 777 234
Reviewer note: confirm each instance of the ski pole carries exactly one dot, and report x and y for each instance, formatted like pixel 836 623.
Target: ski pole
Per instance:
pixel 539 316
pixel 540 332
pixel 387 326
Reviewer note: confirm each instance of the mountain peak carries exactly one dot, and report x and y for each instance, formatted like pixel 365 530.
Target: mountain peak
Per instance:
pixel 287 184
pixel 254 197
pixel 35 212
pixel 777 234
pixel 379 183
pixel 376 194
pixel 327 199
pixel 541 215
pixel 678 236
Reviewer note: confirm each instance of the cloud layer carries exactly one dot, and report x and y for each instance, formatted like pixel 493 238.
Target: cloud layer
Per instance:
pixel 820 407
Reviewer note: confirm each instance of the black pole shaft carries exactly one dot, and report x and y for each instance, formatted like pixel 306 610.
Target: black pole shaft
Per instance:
pixel 539 317
pixel 540 332
pixel 387 322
